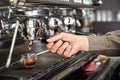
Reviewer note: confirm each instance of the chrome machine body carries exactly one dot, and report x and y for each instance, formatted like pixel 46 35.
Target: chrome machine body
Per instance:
pixel 41 19
pixel 38 20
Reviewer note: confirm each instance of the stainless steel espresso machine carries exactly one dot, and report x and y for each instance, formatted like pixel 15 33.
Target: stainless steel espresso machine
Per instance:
pixel 24 29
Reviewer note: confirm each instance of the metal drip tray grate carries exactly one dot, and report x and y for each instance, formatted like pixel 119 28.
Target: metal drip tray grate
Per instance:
pixel 17 73
pixel 44 61
pixel 46 64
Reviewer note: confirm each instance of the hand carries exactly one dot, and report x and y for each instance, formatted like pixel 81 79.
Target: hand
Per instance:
pixel 21 4
pixel 67 44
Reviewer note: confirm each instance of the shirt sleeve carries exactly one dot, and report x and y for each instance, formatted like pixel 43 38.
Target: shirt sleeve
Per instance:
pixel 109 41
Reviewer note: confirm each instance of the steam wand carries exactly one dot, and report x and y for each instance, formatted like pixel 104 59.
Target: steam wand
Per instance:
pixel 12 44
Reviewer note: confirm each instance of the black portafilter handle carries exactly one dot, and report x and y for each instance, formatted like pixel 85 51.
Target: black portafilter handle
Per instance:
pixel 44 38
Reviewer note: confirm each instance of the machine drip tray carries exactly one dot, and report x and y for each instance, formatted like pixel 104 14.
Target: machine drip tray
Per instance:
pixel 8 78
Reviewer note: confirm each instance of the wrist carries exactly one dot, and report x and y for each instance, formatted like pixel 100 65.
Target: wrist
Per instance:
pixel 84 44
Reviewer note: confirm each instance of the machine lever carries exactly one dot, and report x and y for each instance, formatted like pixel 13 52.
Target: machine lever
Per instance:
pixel 12 44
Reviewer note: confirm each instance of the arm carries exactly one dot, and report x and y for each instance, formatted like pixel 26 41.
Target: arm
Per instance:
pixel 109 41
pixel 68 44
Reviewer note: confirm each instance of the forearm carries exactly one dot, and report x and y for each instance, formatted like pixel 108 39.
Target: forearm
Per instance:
pixel 109 41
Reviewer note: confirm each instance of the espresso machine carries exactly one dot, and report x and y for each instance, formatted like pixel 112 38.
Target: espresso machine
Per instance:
pixel 25 29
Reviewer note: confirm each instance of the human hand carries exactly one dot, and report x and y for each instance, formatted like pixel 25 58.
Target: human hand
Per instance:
pixel 21 4
pixel 67 44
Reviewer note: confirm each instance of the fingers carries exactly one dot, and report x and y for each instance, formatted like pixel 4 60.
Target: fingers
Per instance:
pixel 49 45
pixel 55 47
pixel 67 51
pixel 63 48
